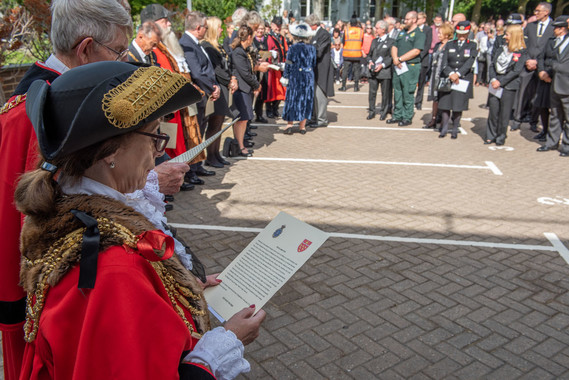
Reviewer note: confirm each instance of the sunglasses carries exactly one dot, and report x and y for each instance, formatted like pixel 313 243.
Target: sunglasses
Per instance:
pixel 160 141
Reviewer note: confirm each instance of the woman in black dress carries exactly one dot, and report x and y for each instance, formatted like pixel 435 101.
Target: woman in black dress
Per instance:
pixel 220 62
pixel 248 85
pixel 458 60
pixel 507 63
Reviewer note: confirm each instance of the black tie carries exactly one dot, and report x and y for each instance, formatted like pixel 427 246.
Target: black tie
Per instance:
pixel 540 33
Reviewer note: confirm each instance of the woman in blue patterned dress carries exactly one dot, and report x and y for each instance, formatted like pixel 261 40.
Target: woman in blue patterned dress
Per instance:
pixel 299 73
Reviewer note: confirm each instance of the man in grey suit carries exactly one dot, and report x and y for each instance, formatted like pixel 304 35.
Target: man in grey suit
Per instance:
pixel 324 73
pixel 379 62
pixel 536 35
pixel 203 75
pixel 559 117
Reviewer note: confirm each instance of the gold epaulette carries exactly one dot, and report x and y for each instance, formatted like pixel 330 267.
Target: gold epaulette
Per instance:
pixel 12 103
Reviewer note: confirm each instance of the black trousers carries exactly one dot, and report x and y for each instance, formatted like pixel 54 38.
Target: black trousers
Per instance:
pixel 354 66
pixel 499 116
pixel 386 96
pixel 421 83
pixel 559 122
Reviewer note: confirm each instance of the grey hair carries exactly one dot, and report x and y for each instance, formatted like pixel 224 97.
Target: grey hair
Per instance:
pixel 252 19
pixel 391 21
pixel 312 19
pixel 148 28
pixel 547 6
pixel 72 20
pixel 381 24
pixel 238 15
pixel 194 19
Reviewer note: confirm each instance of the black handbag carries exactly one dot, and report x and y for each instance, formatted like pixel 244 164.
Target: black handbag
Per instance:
pixel 444 85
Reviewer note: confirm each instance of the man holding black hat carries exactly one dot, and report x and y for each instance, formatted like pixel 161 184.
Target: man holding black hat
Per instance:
pixel 559 119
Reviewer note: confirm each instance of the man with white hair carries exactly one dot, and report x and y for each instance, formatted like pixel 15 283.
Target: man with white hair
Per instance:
pixel 324 73
pixel 379 63
pixel 147 37
pixel 81 33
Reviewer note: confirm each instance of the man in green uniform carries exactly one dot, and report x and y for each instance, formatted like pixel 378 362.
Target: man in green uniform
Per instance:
pixel 405 53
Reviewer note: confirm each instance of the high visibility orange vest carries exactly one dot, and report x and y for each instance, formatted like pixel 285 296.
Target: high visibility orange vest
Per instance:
pixel 353 42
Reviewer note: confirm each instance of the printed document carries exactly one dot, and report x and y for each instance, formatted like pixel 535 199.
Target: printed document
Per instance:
pixel 462 85
pixel 264 266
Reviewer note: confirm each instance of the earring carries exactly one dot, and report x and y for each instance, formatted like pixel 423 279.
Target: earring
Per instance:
pixel 112 165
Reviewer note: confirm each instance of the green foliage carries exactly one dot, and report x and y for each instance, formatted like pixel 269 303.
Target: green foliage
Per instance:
pixel 271 10
pixel 222 9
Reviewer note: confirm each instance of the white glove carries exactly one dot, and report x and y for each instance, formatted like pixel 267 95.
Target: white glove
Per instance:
pixel 274 54
pixel 284 81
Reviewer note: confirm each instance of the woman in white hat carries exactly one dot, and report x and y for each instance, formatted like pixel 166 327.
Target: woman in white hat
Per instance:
pixel 299 73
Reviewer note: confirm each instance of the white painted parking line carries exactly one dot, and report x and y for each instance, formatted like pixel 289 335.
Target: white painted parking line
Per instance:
pixel 489 164
pixel 379 128
pixel 557 245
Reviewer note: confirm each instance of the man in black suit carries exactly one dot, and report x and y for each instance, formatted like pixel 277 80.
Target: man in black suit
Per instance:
pixel 203 75
pixel 536 35
pixel 425 58
pixel 324 73
pixel 140 49
pixel 559 119
pixel 379 63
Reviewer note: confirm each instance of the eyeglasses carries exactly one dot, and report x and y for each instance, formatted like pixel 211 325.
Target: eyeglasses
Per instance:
pixel 120 54
pixel 160 141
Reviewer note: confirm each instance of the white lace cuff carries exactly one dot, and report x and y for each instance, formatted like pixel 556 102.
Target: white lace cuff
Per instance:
pixel 222 351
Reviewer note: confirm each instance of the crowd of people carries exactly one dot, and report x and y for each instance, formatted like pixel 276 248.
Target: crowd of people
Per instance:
pixel 86 144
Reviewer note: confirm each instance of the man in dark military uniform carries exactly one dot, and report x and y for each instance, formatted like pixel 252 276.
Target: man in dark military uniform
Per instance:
pixel 406 53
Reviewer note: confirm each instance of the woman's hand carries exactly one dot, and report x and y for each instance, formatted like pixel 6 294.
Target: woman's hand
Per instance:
pixel 262 67
pixel 245 325
pixel 233 85
pixel 454 78
pixel 210 280
pixel 496 84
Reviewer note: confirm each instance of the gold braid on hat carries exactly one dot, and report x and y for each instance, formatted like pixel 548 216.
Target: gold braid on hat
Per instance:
pixel 146 90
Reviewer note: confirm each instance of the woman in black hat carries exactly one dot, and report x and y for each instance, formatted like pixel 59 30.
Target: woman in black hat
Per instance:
pixel 108 297
pixel 458 60
pixel 508 61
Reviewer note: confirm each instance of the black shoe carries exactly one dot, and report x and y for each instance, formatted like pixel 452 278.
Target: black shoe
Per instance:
pixel 302 131
pixel 248 154
pixel 343 88
pixel 441 136
pixel 248 144
pixel 288 131
pixel 319 125
pixel 311 122
pixel 270 115
pixel 370 115
pixel 418 106
pixel 186 187
pixel 453 137
pixel 169 207
pixel 214 164
pixel 539 135
pixel 404 123
pixel 170 198
pixel 221 160
pixel 383 117
pixel 564 154
pixel 261 119
pixel 534 128
pixel 392 121
pixel 251 126
pixel 195 180
pixel 204 173
pixel 252 134
pixel 499 143
pixel 544 148
pixel 247 136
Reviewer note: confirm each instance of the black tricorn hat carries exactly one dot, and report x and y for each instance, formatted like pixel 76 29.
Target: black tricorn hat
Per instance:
pixel 95 102
pixel 514 19
pixel 277 20
pixel 154 12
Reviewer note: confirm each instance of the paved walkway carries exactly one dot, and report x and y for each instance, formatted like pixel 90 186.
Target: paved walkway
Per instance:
pixel 446 255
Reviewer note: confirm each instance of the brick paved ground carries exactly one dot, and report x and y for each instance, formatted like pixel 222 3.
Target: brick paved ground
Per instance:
pixel 363 308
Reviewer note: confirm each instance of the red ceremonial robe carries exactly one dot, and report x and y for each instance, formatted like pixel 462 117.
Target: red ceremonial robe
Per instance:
pixel 275 90
pixel 124 328
pixel 18 154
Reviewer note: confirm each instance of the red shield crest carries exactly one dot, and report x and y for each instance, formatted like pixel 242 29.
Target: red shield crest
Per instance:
pixel 305 244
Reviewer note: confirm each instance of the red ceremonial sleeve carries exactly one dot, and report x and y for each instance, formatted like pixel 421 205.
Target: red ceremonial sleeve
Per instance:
pixel 124 328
